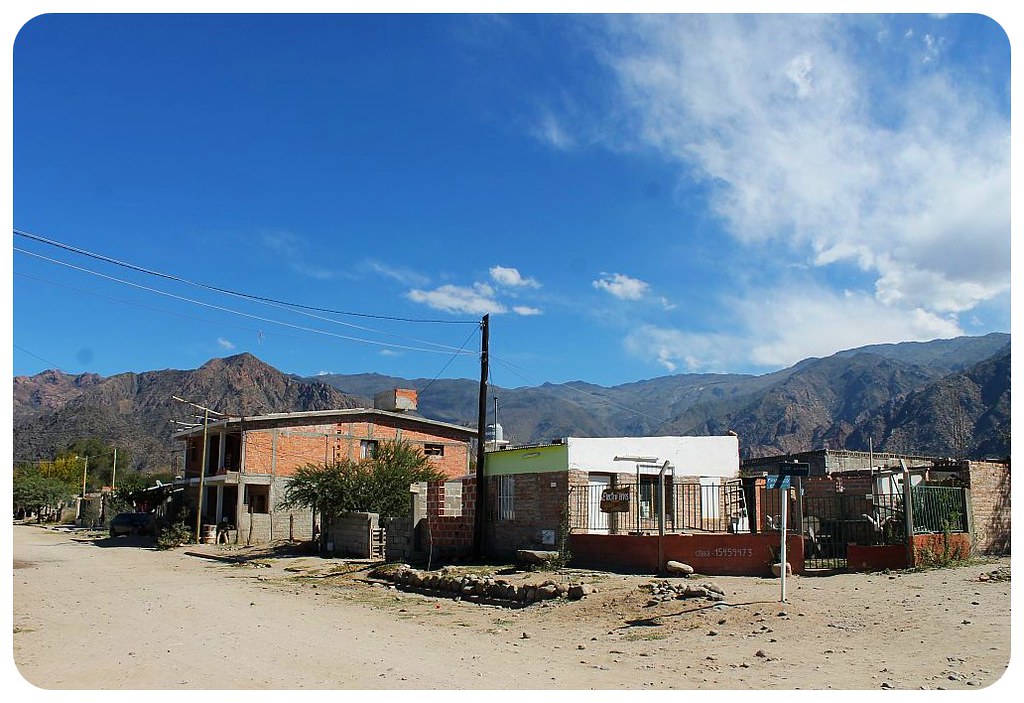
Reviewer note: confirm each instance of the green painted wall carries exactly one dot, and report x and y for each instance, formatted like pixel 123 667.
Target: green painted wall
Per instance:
pixel 529 460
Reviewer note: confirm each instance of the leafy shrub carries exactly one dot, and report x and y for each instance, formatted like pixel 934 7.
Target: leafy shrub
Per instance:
pixel 174 536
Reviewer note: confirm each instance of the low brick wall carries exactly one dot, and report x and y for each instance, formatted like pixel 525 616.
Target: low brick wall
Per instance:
pixel 894 556
pixel 958 547
pixel 876 557
pixel 714 554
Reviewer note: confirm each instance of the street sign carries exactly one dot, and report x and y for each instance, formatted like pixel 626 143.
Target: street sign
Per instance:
pixel 794 469
pixel 780 483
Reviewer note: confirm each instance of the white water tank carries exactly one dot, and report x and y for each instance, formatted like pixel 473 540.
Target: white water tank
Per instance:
pixel 494 433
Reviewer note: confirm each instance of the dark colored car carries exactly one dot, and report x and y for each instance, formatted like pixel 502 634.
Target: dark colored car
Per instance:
pixel 132 524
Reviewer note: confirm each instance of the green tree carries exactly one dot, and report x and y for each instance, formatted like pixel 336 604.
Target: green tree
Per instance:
pixel 101 461
pixel 376 485
pixel 32 491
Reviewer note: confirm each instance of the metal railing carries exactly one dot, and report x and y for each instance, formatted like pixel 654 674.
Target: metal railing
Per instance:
pixel 689 507
pixel 939 509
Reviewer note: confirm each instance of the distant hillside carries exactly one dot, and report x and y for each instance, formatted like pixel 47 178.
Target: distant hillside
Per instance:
pixel 948 398
pixel 136 410
pixel 813 403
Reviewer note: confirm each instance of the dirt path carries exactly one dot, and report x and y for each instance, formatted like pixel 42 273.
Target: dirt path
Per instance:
pixel 116 614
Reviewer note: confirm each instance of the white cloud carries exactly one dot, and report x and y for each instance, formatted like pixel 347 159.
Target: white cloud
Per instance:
pixel 511 278
pixel 526 311
pixel 475 300
pixel 224 343
pixel 323 373
pixel 390 352
pixel 776 328
pixel 899 171
pixel 621 286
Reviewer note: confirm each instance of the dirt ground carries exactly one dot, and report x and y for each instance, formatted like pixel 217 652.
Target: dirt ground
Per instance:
pixel 90 612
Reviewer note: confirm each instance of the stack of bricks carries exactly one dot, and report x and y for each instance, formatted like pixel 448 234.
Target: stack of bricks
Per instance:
pixel 450 527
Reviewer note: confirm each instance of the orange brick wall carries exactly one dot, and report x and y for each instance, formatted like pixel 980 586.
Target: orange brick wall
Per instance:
pixel 282 450
pixel 450 535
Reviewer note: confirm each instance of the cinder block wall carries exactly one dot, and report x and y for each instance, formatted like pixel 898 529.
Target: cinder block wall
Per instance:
pixel 399 538
pixel 349 535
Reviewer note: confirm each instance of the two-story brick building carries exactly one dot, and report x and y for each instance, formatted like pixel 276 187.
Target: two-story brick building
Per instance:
pixel 249 460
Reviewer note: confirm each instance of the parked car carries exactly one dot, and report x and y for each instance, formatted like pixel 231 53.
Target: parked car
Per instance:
pixel 132 524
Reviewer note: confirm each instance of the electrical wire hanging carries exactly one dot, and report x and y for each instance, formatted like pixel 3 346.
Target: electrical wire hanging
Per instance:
pixel 227 291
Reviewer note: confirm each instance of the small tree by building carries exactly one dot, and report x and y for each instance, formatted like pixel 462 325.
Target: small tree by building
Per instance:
pixel 374 485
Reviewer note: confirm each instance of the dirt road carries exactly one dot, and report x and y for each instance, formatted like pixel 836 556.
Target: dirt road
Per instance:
pixel 96 613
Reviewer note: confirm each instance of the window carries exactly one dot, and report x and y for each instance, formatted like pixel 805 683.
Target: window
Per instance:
pixel 367 448
pixel 257 498
pixel 506 497
pixel 649 496
pixel 433 449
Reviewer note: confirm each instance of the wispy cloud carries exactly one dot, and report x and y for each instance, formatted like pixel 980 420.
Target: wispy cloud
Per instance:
pixel 224 343
pixel 778 327
pixel 622 286
pixel 550 130
pixel 511 278
pixel 294 251
pixel 402 275
pixel 886 163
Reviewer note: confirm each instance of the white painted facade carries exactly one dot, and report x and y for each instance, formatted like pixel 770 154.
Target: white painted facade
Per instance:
pixel 717 456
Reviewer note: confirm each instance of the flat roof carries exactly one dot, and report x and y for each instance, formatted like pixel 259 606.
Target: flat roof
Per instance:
pixel 319 416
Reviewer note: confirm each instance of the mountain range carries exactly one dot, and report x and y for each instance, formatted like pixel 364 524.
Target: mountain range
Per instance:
pixel 941 398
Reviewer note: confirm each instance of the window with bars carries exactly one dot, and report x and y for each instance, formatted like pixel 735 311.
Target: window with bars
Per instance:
pixel 433 449
pixel 506 497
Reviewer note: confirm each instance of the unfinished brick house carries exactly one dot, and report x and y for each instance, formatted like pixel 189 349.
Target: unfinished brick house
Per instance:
pixel 249 460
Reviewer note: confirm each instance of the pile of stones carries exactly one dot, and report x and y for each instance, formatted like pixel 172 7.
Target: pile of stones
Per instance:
pixel 1000 574
pixel 662 591
pixel 450 581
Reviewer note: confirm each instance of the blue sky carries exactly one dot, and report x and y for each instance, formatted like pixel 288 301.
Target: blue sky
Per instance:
pixel 626 196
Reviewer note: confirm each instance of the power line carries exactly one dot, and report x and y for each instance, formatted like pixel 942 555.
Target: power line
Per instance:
pixel 302 310
pixel 234 312
pixel 456 354
pixel 226 291
pixel 45 361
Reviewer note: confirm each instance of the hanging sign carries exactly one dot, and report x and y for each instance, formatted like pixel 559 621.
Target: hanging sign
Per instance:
pixel 615 500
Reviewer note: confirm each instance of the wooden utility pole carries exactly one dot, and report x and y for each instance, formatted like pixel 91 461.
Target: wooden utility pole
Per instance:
pixel 481 430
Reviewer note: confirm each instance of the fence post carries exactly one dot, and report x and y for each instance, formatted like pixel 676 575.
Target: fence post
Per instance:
pixel 908 513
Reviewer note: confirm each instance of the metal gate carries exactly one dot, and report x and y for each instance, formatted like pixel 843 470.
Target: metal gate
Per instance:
pixel 830 523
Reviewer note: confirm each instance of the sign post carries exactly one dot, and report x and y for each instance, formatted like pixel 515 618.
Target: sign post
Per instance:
pixel 782 548
pixel 783 482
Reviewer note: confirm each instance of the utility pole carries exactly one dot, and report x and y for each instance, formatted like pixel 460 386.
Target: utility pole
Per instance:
pixel 85 472
pixel 202 466
pixel 481 431
pixel 113 472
